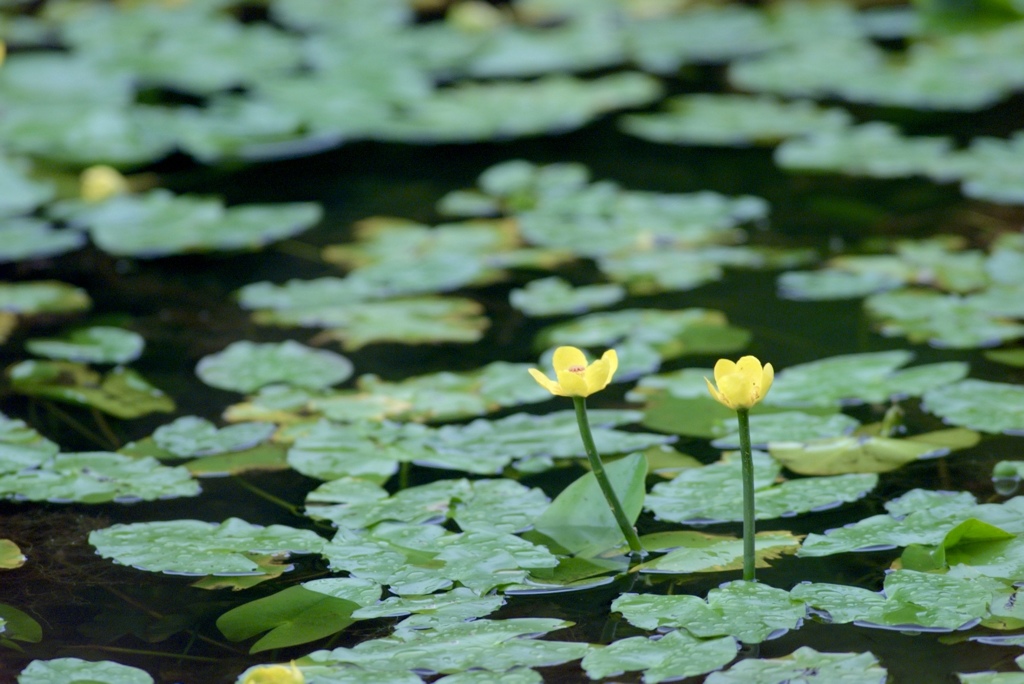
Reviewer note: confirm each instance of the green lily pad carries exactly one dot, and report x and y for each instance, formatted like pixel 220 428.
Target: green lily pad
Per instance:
pixel 42 296
pixel 580 519
pixel 191 436
pixel 78 671
pixel 867 453
pixel 98 344
pixel 554 296
pixel 246 366
pixel 493 645
pixel 690 551
pixel 433 610
pixel 160 223
pixel 28 238
pixel 979 405
pixel 942 320
pixel 807 665
pixel 21 194
pixel 856 378
pixel 673 656
pixel 909 600
pixel 829 284
pixel 98 477
pixel 713 493
pixel 193 547
pixel 873 149
pixel 299 614
pixel 484 111
pixel 19 626
pixel 236 127
pixel 671 333
pixel 734 120
pixel 918 517
pixel 1009 357
pixel 514 676
pixel 786 425
pixel 750 612
pixel 121 392
pixel 11 556
pixel 21 447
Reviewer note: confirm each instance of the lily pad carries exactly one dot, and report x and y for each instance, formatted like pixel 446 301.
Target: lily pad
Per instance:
pixel 98 477
pixel 121 392
pixel 750 612
pixel 21 194
pixel 433 610
pixel 942 320
pixel 78 671
pixel 734 120
pixel 246 366
pixel 11 556
pixel 979 405
pixel 713 493
pixel 98 344
pixel 29 238
pixel 42 296
pixel 672 656
pixel 22 447
pixel 859 378
pixel 554 296
pixel 690 551
pixel 830 284
pixel 160 223
pixel 807 665
pixel 194 547
pixel 191 436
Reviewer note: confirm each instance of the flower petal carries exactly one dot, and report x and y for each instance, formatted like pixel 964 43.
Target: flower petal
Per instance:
pixel 717 395
pixel 547 383
pixel 572 384
pixel 612 359
pixel 767 376
pixel 567 357
pixel 722 368
pixel 737 390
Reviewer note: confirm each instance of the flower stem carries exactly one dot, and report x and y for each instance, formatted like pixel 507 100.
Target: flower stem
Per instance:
pixel 597 467
pixel 747 463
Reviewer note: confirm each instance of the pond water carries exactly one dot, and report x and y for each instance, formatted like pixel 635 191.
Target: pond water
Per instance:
pixel 87 601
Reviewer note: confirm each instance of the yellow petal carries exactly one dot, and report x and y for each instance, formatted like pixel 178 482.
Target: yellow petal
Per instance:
pixel 597 376
pixel 98 183
pixel 717 395
pixel 750 368
pixel 722 368
pixel 736 390
pixel 767 376
pixel 612 359
pixel 572 384
pixel 567 357
pixel 547 383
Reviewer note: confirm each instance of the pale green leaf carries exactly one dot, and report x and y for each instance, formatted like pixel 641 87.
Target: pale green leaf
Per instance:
pixel 805 665
pixel 98 344
pixel 672 656
pixel 247 366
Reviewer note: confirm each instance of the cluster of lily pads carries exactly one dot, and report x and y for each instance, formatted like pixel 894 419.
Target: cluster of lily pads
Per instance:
pixel 437 562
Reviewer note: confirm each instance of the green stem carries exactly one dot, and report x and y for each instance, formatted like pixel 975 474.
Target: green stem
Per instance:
pixel 747 462
pixel 294 510
pixel 602 478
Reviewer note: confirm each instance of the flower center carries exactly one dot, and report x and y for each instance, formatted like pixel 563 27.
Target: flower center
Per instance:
pixel 578 370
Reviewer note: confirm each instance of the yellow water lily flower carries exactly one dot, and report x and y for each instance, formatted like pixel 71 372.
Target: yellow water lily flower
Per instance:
pixel 98 183
pixel 275 674
pixel 741 384
pixel 577 378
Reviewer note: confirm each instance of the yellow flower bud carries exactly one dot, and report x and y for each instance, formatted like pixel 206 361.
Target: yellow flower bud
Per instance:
pixel 275 674
pixel 98 183
pixel 741 384
pixel 577 378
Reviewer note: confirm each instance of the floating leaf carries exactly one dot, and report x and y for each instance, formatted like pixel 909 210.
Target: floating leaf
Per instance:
pixel 943 320
pixel 734 120
pixel 246 366
pixel 750 612
pixel 300 614
pixel 699 552
pixel 21 447
pixel 29 238
pixel 672 656
pixel 98 344
pixel 160 223
pixel 830 284
pixel 406 321
pixel 859 378
pixel 433 610
pixel 553 296
pixel 21 194
pixel 191 436
pixel 794 425
pixel 122 392
pixel 11 556
pixel 713 493
pixel 806 665
pixel 979 405
pixel 193 547
pixel 514 676
pixel 580 520
pixel 42 296
pixel 14 624
pixel 78 671
pixel 98 477
pixel 867 453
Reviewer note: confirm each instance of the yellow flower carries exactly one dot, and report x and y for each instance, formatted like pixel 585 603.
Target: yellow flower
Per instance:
pixel 275 674
pixel 577 378
pixel 98 183
pixel 3 51
pixel 741 384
